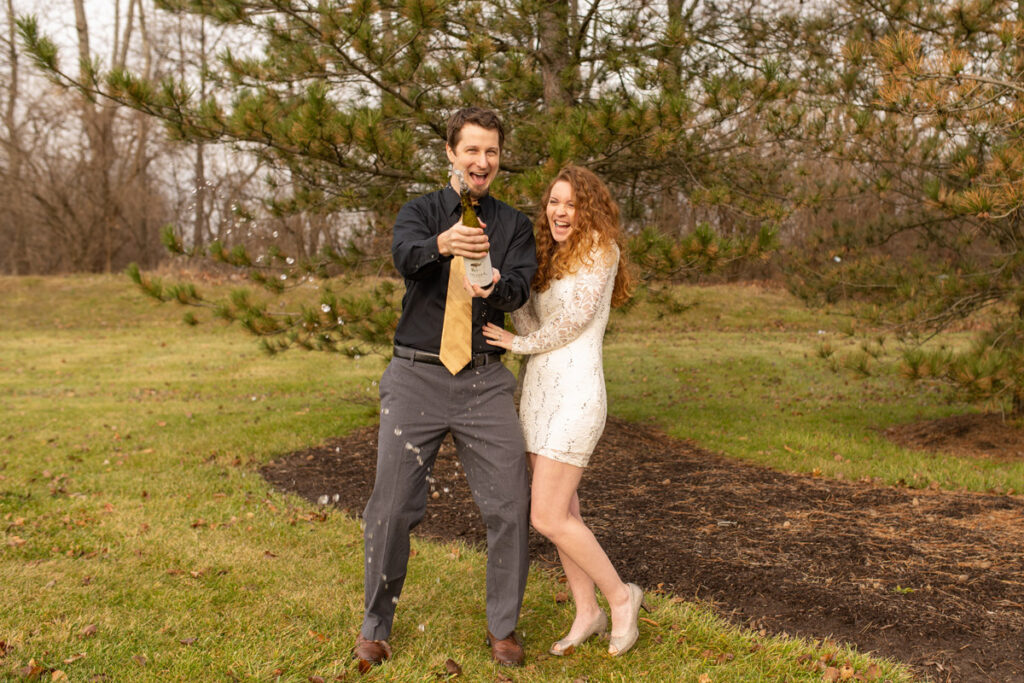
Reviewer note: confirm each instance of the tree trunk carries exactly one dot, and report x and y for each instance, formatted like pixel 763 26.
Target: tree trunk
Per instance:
pixel 200 228
pixel 556 54
pixel 17 256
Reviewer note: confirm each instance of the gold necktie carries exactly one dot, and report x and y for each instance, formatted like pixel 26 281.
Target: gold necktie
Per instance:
pixel 457 333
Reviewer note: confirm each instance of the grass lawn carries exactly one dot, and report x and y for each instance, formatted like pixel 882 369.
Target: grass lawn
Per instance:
pixel 141 544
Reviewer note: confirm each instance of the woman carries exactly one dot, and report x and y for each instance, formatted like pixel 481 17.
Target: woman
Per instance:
pixel 581 274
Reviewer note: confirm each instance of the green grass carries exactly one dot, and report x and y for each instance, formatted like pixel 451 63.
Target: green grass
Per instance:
pixel 131 505
pixel 739 373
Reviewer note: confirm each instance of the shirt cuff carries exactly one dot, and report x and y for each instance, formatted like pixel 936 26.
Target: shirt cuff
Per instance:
pixel 429 254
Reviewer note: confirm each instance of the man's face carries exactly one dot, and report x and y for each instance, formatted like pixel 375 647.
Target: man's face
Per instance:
pixel 477 155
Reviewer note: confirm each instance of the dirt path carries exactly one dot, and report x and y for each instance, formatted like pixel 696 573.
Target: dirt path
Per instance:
pixel 932 578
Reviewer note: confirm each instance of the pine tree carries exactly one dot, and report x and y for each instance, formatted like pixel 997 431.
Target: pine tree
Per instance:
pixel 927 117
pixel 348 103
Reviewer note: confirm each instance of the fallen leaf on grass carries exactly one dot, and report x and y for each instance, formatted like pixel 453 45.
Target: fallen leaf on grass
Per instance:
pixel 704 678
pixel 452 667
pixel 846 672
pixel 88 631
pixel 74 658
pixel 58 675
pixel 831 675
pixel 503 678
pixel 268 554
pixel 320 637
pixel 561 596
pixel 140 660
pixel 316 679
pixel 365 666
pixel 32 670
pixel 649 621
pixel 873 672
pixel 187 641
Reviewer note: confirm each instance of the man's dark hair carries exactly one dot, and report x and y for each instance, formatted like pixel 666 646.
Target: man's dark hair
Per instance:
pixel 485 118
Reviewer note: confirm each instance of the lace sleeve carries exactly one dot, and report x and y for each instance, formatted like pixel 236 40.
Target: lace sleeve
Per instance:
pixel 576 310
pixel 525 318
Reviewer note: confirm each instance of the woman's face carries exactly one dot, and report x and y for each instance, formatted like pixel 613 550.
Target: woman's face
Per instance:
pixel 561 211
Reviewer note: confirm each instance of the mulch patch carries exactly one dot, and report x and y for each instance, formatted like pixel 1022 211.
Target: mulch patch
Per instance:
pixel 932 578
pixel 975 435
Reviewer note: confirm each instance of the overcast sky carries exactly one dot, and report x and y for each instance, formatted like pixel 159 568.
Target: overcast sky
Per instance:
pixel 57 20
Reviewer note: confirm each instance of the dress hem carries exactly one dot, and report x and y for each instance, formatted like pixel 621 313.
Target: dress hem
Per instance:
pixel 577 459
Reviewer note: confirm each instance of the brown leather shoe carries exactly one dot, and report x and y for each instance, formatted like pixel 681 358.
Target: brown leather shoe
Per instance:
pixel 370 653
pixel 507 651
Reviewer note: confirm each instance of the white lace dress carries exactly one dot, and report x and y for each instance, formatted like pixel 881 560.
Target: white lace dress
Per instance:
pixel 564 405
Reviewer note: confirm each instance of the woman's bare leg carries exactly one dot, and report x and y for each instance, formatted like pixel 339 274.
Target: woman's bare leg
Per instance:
pixel 555 514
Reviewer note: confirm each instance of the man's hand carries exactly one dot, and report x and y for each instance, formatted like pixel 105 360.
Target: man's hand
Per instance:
pixel 484 292
pixel 462 240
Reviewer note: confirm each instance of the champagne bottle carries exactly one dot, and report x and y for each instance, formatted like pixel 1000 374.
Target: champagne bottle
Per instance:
pixel 478 270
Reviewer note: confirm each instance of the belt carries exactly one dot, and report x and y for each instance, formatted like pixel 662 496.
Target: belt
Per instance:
pixel 418 356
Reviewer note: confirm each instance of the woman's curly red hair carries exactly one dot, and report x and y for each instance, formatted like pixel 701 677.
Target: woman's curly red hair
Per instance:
pixel 596 223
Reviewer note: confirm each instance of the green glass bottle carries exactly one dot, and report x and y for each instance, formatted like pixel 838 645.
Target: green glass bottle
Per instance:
pixel 478 270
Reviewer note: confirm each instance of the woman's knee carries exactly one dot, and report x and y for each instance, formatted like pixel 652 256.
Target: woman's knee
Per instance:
pixel 547 523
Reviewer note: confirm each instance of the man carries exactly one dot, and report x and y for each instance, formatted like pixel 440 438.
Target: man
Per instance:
pixel 443 379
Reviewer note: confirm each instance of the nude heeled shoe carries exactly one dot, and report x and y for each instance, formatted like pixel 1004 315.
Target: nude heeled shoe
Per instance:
pixel 619 645
pixel 565 646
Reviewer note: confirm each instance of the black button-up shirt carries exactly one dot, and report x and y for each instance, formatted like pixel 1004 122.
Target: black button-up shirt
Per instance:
pixel 414 249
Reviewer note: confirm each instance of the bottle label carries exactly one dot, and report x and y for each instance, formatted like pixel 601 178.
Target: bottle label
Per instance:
pixel 478 270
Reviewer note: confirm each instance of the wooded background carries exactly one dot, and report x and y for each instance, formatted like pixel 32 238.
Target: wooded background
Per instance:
pixel 871 146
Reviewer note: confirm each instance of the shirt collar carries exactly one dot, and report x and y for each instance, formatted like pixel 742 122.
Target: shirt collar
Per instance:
pixel 451 201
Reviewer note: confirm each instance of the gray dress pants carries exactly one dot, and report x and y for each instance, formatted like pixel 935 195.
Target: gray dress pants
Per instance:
pixel 420 404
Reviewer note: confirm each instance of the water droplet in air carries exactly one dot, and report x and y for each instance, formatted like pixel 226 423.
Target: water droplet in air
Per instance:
pixel 323 500
pixel 394 601
pixel 275 233
pixel 289 260
pixel 283 276
pixel 325 308
pixel 422 627
pixel 398 431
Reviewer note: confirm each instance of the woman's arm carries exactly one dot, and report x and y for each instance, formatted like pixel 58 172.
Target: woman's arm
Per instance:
pixel 575 313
